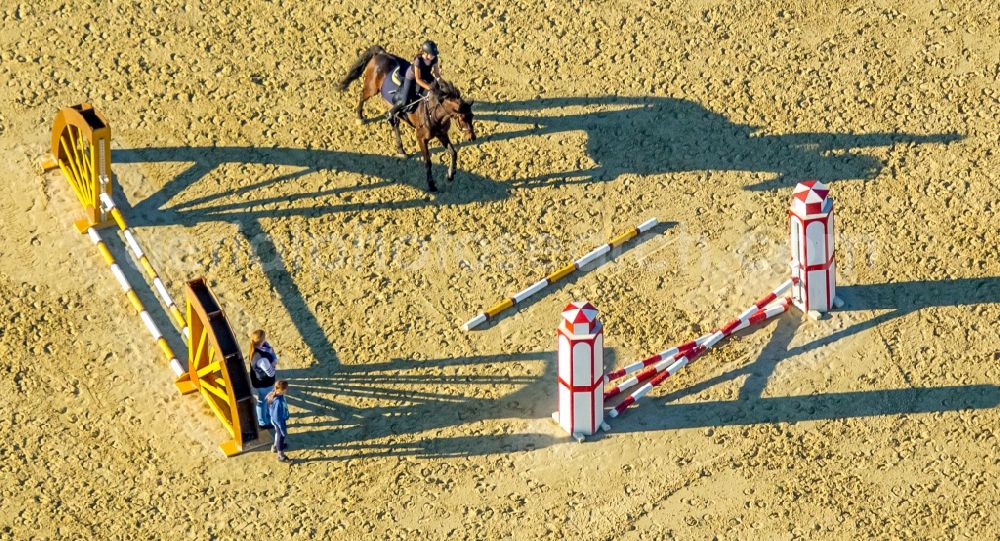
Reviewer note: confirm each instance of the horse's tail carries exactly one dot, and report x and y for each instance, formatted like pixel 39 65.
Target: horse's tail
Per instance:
pixel 359 66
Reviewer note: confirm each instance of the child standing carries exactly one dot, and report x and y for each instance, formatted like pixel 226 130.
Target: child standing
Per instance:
pixel 279 417
pixel 263 364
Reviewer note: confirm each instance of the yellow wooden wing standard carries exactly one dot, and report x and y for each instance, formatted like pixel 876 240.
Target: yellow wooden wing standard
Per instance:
pixel 81 148
pixel 217 370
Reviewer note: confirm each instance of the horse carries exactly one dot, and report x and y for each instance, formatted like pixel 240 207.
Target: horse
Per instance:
pixel 430 119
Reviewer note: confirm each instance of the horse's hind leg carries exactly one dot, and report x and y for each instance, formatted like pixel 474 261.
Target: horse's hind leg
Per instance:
pixel 368 89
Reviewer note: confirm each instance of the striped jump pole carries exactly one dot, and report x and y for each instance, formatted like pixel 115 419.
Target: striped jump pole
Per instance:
pixel 175 365
pixel 650 371
pixel 496 309
pixel 712 340
pixel 140 256
pixel 639 365
pixel 662 356
pixel 681 362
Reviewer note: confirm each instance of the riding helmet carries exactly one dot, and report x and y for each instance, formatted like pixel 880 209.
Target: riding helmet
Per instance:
pixel 429 47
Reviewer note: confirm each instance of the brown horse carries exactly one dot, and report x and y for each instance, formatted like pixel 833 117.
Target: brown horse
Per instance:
pixel 430 119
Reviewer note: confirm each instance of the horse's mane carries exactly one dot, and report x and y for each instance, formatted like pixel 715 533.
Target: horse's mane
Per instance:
pixel 444 90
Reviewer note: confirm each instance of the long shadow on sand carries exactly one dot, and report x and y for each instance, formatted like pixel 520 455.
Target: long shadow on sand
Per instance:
pixel 656 135
pixel 625 135
pixel 898 299
pixel 254 203
pixel 404 400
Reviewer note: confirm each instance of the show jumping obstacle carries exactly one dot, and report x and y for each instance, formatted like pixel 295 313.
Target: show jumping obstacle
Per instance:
pixel 777 308
pixel 140 256
pixel 216 368
pixel 496 309
pixel 813 290
pixel 81 149
pixel 168 352
pixel 661 371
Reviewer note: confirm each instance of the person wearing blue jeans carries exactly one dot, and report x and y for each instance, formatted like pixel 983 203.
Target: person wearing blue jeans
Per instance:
pixel 263 365
pixel 278 409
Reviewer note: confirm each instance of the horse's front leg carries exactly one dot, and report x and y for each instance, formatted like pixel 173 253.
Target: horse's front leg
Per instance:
pixel 446 141
pixel 422 142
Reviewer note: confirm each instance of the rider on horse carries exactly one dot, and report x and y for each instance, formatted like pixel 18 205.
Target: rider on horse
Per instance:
pixel 422 71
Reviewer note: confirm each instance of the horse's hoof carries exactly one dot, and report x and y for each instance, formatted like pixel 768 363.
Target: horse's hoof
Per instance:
pixel 359 121
pixel 432 189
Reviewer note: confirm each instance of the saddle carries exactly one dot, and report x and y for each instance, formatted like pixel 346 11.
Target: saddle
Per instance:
pixel 397 76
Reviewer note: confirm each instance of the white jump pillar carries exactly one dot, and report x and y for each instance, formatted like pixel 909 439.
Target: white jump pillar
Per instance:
pixel 813 265
pixel 581 370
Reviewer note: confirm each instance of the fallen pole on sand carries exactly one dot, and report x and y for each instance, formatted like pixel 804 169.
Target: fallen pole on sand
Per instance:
pixel 777 308
pixel 496 309
pixel 709 343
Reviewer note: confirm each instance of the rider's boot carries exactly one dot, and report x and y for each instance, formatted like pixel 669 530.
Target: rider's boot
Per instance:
pixel 396 108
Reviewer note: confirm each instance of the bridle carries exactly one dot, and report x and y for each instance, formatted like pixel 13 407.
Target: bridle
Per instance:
pixel 462 127
pixel 449 115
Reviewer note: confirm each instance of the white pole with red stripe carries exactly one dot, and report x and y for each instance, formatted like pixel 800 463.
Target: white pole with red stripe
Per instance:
pixel 581 369
pixel 665 362
pixel 710 342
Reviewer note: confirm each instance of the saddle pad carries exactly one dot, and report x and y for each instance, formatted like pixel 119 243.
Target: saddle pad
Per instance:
pixel 392 83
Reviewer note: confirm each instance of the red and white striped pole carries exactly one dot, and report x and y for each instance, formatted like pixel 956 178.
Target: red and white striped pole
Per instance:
pixel 639 365
pixel 768 312
pixel 712 340
pixel 681 362
pixel 662 356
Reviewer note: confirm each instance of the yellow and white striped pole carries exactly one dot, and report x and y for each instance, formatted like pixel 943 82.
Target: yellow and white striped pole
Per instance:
pixel 108 205
pixel 563 272
pixel 175 365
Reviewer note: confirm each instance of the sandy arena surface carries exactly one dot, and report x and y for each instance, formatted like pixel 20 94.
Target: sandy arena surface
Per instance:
pixel 238 160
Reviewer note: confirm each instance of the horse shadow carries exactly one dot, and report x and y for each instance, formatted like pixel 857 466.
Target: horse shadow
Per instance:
pixel 625 135
pixel 656 135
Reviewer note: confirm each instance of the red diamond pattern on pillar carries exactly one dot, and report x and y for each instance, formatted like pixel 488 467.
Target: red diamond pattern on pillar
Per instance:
pixel 580 359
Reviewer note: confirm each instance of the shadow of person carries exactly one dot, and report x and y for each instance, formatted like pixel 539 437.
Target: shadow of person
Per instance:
pixel 402 407
pixel 656 135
